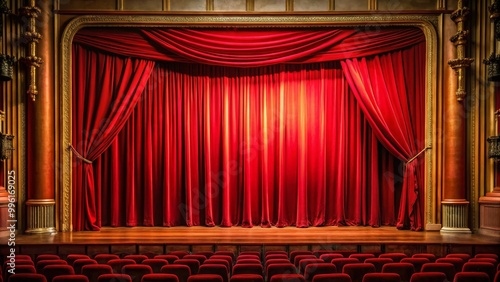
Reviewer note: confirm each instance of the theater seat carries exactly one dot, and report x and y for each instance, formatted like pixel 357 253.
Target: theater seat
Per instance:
pixel 72 257
pixel 428 277
pixel 357 270
pixel 362 256
pixel 51 271
pixel 288 278
pixel 104 258
pixel 218 269
pixel 378 262
pixel 93 271
pixel 117 264
pixel 248 269
pixel 246 278
pixel 404 269
pixel 396 257
pixel 329 257
pixel 487 255
pixel 340 262
pixel 182 271
pixel 114 277
pixel 70 278
pixel 160 277
pixel 136 271
pixel 155 264
pixel 314 269
pixel 138 258
pixel 193 264
pixel 381 277
pixel 205 278
pixel 333 277
pixel 169 258
pixel 417 262
pixel 445 267
pixel 79 263
pixel 27 277
pixel 471 277
pixel 429 256
pixel 485 267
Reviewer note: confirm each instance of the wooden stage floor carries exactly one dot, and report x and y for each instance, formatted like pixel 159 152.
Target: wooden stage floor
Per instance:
pixel 164 239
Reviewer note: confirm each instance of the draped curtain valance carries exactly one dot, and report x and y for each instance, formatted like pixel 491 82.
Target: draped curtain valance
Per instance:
pixel 249 48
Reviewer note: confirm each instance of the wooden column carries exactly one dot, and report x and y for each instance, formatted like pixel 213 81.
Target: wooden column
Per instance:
pixel 41 122
pixel 455 207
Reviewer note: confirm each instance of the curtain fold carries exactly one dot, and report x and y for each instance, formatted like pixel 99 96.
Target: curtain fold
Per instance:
pixel 386 87
pixel 101 106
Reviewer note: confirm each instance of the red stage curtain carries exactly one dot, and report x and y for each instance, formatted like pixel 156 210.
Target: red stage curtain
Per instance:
pixel 213 137
pixel 387 87
pixel 106 89
pixel 278 145
pixel 249 47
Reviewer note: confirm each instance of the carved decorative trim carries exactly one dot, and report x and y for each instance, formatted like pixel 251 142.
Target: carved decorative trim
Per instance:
pixel 426 23
pixel 456 217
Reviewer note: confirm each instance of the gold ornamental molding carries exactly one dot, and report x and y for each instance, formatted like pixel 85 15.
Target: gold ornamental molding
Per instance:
pixel 461 63
pixel 427 23
pixel 32 37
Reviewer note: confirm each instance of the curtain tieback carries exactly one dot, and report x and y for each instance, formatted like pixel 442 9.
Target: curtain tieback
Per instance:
pixel 78 155
pixel 418 154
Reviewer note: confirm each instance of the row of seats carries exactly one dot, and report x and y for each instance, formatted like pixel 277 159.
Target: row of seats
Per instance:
pixel 305 265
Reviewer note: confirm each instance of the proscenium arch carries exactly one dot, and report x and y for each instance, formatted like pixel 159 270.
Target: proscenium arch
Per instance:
pixel 425 23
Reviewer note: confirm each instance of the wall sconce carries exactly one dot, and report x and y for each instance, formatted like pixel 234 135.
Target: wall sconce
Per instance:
pixel 494 141
pixel 493 62
pixel 6 146
pixel 6 61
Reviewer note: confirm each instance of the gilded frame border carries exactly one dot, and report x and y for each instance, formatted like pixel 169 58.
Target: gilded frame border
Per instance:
pixel 427 23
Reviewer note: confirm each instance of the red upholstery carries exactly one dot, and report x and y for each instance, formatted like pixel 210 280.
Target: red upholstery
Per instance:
pixel 104 258
pixel 463 256
pixel 250 261
pixel 218 261
pixel 304 262
pixel 381 277
pixel 204 278
pixel 404 269
pixel 136 271
pixel 314 269
pixel 329 257
pixel 274 261
pixel 160 277
pixel 248 269
pixel 218 269
pixel 275 256
pixel 251 253
pixel 114 277
pixel 358 270
pixel 429 256
pixel 93 271
pixel 169 258
pixel 47 257
pixel 226 253
pixel 137 258
pixel 417 262
pixel 279 268
pixel 72 257
pixel 246 278
pixel 445 267
pixel 361 257
pixel 428 277
pixel 42 263
pixel 293 254
pixel 396 257
pixel 182 271
pixel 200 258
pixel 228 258
pixel 27 277
pixel 487 255
pixel 288 278
pixel 193 264
pixel 378 262
pixel 297 259
pixel 457 262
pixel 340 262
pixel 79 263
pixel 207 254
pixel 155 264
pixel 485 267
pixel 240 257
pixel 332 277
pixel 497 276
pixel 51 271
pixel 471 276
pixel 117 264
pixel 179 254
pixel 70 278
